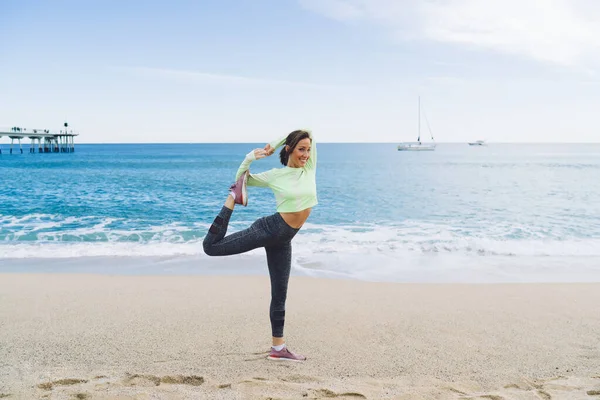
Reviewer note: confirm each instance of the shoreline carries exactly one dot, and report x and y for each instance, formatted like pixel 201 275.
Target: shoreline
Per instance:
pixel 423 270
pixel 123 334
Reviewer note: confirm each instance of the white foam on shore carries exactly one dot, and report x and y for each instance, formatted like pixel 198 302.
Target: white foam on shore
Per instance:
pixel 410 251
pixel 49 236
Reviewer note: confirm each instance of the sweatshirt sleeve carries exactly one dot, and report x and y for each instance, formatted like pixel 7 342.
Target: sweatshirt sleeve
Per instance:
pixel 311 164
pixel 275 144
pixel 245 165
pixel 261 180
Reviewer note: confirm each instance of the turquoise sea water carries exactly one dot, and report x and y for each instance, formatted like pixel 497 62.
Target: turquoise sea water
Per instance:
pixel 458 214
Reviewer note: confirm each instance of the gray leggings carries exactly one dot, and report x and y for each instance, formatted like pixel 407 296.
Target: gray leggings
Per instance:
pixel 272 233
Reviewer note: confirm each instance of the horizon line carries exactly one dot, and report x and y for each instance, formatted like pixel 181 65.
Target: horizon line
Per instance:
pixel 330 142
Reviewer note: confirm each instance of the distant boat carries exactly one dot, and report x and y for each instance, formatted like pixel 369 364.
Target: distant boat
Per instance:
pixel 418 145
pixel 477 143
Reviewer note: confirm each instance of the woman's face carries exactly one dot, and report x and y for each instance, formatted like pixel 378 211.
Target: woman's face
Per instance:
pixel 300 155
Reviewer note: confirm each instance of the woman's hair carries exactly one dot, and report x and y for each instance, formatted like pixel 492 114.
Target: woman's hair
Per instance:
pixel 292 141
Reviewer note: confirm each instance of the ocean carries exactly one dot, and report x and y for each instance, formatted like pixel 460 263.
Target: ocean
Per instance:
pixel 501 213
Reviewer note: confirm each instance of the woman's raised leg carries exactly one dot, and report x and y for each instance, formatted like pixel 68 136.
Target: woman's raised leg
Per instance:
pixel 217 244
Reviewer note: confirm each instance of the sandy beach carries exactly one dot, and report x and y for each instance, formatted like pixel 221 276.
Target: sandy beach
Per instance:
pixel 148 337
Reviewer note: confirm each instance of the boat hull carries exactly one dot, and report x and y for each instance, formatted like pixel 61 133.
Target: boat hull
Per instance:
pixel 416 147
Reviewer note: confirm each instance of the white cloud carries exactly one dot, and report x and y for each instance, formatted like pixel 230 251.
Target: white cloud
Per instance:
pixel 564 32
pixel 204 77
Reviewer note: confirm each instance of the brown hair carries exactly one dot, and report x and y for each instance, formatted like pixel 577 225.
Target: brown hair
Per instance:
pixel 292 141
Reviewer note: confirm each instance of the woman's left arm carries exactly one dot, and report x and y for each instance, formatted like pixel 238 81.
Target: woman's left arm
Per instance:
pixel 312 160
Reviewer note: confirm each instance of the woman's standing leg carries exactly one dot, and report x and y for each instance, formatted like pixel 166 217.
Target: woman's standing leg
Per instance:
pixel 279 259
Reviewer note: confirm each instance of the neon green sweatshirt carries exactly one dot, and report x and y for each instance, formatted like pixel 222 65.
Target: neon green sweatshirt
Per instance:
pixel 295 189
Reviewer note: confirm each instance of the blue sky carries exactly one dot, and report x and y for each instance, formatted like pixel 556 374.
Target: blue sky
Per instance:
pixel 352 70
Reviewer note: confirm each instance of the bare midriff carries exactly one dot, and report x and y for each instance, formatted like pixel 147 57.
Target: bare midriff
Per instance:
pixel 295 219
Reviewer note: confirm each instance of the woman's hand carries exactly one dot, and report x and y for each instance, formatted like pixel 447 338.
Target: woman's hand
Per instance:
pixel 260 153
pixel 269 150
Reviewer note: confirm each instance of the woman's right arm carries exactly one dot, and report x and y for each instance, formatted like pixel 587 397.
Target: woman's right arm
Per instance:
pixel 261 179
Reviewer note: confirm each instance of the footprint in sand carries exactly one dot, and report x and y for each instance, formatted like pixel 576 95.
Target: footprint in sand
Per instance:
pixel 519 386
pixel 456 391
pixel 152 380
pixel 544 395
pixel 60 382
pixel 299 379
pixel 558 387
pixel 331 393
pixel 255 382
pixel 191 380
pixel 141 380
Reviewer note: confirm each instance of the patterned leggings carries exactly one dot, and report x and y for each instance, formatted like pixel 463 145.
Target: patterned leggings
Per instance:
pixel 272 233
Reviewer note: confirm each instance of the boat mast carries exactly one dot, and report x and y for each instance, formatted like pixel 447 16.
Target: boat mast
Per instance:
pixel 419 138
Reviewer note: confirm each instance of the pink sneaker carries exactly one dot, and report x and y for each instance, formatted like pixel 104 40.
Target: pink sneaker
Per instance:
pixel 239 189
pixel 285 355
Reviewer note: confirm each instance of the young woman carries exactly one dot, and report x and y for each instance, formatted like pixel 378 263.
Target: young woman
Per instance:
pixel 295 191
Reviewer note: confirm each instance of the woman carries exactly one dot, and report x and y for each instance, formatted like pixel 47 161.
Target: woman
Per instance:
pixel 295 193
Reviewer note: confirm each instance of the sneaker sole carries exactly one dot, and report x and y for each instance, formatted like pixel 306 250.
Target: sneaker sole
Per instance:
pixel 283 359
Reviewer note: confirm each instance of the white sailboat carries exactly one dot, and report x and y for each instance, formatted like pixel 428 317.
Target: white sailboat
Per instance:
pixel 418 145
pixel 477 143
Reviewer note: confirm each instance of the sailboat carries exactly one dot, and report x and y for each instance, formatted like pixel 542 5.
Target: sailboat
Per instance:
pixel 418 145
pixel 477 143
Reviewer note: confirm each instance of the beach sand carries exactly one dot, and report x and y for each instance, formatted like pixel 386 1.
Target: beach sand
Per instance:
pixel 206 337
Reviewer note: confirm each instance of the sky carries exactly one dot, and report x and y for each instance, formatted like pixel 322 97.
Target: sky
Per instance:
pixel 351 70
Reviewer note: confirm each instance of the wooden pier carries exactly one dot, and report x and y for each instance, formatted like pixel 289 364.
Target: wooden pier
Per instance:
pixel 44 140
